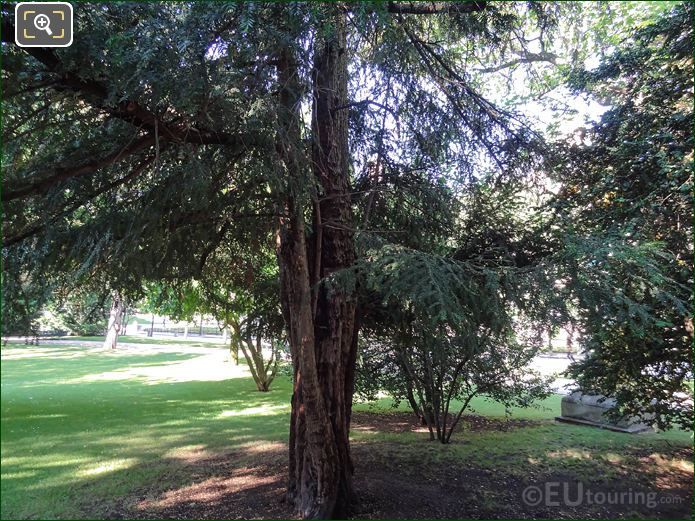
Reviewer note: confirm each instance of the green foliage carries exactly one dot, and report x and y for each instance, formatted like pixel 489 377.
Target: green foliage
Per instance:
pixel 21 312
pixel 181 302
pixel 239 287
pixel 132 225
pixel 627 191
pixel 174 75
pixel 463 319
pixel 78 313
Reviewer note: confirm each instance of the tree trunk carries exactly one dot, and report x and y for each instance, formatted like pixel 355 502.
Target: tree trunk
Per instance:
pixel 334 321
pixel 115 319
pixel 257 365
pixel 124 321
pixel 323 345
pixel 234 348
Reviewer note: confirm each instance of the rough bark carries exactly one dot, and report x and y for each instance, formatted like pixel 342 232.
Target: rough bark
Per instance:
pixel 322 336
pixel 312 455
pixel 115 321
pixel 234 348
pixel 334 321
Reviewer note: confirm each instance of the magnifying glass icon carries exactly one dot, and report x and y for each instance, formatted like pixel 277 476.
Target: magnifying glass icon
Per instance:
pixel 43 23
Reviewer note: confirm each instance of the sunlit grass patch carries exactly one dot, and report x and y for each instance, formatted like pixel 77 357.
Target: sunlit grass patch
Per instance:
pixel 107 466
pixel 112 422
pixel 83 428
pixel 262 410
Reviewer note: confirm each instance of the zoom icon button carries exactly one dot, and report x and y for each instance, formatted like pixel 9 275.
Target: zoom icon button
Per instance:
pixel 43 24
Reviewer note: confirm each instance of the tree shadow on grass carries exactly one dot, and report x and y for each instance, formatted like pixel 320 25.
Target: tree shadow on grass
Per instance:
pixel 135 470
pixel 485 473
pixel 248 481
pixel 69 442
pixel 217 449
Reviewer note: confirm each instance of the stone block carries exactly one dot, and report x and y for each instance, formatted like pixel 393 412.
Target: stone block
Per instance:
pixel 591 409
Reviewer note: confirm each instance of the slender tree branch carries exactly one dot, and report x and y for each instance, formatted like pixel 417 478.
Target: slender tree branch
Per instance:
pixel 37 228
pixel 29 88
pixel 364 102
pixel 526 57
pixel 26 118
pixel 42 185
pixel 213 246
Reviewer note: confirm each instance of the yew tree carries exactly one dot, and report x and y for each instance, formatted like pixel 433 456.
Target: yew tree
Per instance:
pixel 168 128
pixel 627 204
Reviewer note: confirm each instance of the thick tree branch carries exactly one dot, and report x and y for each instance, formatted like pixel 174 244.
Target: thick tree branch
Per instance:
pixel 435 7
pixel 96 93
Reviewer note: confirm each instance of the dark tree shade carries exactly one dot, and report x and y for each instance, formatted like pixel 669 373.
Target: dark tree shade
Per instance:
pixel 628 192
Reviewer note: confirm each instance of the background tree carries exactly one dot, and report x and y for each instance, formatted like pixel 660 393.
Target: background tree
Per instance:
pixel 627 190
pixel 76 310
pixel 432 369
pixel 463 317
pixel 240 288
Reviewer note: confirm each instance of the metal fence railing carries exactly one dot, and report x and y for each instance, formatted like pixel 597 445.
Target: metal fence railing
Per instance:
pixel 182 331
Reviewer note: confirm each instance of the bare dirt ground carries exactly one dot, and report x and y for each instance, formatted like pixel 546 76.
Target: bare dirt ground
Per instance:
pixel 392 483
pixel 399 422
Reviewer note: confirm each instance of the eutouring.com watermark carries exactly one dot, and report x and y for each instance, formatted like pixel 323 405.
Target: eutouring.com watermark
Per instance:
pixel 572 494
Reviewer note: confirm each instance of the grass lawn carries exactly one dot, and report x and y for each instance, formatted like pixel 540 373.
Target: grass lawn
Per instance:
pixel 131 339
pixel 80 426
pixel 545 446
pixel 84 428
